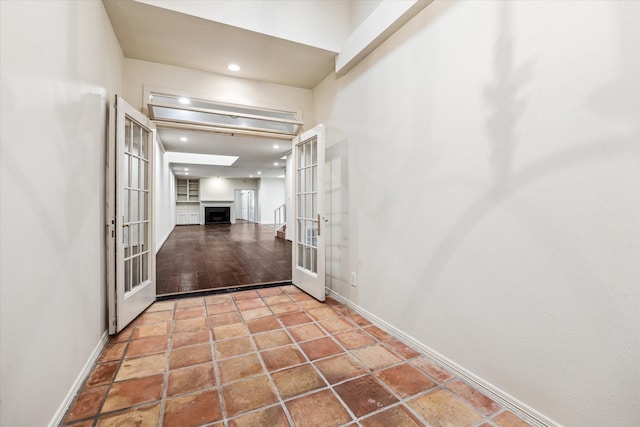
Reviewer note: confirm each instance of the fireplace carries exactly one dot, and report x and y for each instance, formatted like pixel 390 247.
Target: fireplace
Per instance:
pixel 217 215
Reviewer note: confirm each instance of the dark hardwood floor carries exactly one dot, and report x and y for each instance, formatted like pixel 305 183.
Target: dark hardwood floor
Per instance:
pixel 201 257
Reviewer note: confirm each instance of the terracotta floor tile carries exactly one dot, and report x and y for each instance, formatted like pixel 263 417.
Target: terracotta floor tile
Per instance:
pixel 263 324
pixel 189 313
pixel 225 318
pixel 340 368
pixel 192 355
pixel 295 381
pixel 142 367
pixel 133 392
pixel 376 357
pixel 161 306
pixel 479 401
pixel 155 317
pixel 269 292
pixel 354 339
pixel 297 318
pixel 442 408
pixel 112 352
pixel 217 299
pixel 359 320
pixel 193 410
pixel 221 344
pixel 310 303
pixel 405 380
pixel 124 334
pixel 151 330
pixel 233 347
pixel 184 325
pixel 239 367
pixel 433 370
pixel 87 404
pixel 282 357
pixel 273 416
pixel 189 302
pixel 377 333
pixel 278 299
pixel 229 331
pixel 396 416
pixel 508 419
pixel 364 395
pixel 224 307
pixel 306 332
pixel 322 313
pixel 401 348
pixel 245 295
pixel 147 346
pixel 287 307
pixel 144 416
pixel 190 379
pixel 335 324
pixel 182 339
pixel 255 313
pixel 321 409
pixel 102 374
pixel 272 339
pixel 85 423
pixel 250 304
pixel 320 348
pixel 246 395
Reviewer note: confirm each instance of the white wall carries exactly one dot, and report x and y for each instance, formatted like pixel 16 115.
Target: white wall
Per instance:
pixel 61 67
pixel 165 196
pixel 270 197
pixel 485 169
pixel 223 189
pixel 137 74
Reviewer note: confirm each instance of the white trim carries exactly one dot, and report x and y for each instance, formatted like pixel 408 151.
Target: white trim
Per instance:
pixel 75 388
pixel 522 410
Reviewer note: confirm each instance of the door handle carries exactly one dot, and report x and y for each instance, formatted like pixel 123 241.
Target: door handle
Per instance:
pixel 318 225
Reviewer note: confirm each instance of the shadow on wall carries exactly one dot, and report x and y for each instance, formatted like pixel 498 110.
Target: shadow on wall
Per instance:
pixel 503 95
pixel 337 212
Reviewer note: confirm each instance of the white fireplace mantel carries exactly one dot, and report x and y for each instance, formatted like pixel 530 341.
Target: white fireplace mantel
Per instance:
pixel 217 204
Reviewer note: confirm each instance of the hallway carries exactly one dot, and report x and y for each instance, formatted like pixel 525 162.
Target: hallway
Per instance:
pixel 200 257
pixel 271 357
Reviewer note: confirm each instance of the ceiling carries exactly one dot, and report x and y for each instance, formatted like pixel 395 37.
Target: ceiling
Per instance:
pixel 255 154
pixel 159 35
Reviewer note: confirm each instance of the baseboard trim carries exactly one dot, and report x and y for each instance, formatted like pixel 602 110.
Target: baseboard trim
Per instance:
pixel 66 403
pixel 522 410
pixel 164 239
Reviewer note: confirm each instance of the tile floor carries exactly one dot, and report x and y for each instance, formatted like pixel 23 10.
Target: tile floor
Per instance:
pixel 270 357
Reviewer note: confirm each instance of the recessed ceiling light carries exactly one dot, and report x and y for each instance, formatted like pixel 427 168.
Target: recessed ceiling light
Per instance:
pixel 233 67
pixel 250 176
pixel 186 173
pixel 284 157
pixel 186 169
pixel 183 139
pixel 280 176
pixel 275 163
pixel 276 146
pixel 259 173
pixel 184 101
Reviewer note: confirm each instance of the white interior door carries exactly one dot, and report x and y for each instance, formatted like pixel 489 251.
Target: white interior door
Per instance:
pixel 132 275
pixel 308 266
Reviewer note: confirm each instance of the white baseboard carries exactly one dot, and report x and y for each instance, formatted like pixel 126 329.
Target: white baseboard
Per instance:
pixel 164 239
pixel 62 410
pixel 517 407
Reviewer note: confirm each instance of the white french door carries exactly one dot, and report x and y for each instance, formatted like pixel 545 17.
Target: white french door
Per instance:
pixel 132 281
pixel 308 266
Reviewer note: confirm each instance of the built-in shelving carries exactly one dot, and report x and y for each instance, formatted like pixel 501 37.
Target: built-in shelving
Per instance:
pixel 188 190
